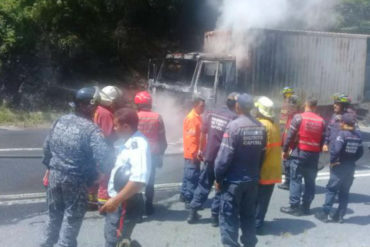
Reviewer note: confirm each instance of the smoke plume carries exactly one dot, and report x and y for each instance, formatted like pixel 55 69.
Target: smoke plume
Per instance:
pixel 238 17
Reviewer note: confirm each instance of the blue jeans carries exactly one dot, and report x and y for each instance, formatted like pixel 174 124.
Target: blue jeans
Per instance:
pixel 206 181
pixel 238 207
pixel 190 179
pixel 303 169
pixel 340 182
pixel 263 201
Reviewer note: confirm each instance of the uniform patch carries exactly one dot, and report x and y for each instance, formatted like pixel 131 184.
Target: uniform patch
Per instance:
pixel 134 145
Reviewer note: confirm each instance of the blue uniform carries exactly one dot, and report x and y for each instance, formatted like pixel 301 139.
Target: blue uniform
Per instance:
pixel 303 165
pixel 214 126
pixel 237 169
pixel 346 150
pixel 72 151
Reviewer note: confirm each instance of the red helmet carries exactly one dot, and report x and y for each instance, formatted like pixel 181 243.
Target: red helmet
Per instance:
pixel 143 98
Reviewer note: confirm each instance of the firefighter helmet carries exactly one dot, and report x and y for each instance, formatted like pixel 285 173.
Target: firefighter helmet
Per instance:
pixel 287 90
pixel 143 98
pixel 341 98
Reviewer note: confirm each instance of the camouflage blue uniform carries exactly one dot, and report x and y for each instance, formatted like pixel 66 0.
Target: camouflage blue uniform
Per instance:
pixel 72 150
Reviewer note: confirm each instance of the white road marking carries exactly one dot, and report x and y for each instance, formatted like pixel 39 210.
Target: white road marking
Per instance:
pixel 19 149
pixel 33 198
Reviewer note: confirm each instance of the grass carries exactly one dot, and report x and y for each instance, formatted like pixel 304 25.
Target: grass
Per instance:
pixel 13 117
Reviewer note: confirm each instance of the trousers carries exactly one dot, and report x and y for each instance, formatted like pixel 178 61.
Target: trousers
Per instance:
pixel 190 179
pixel 120 224
pixel 237 208
pixel 67 205
pixel 206 181
pixel 340 182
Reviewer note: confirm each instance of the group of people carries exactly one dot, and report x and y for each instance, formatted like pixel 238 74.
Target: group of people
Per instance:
pixel 108 155
pixel 242 147
pixel 105 155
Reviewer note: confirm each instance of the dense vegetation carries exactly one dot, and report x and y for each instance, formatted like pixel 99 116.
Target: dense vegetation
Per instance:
pixel 46 44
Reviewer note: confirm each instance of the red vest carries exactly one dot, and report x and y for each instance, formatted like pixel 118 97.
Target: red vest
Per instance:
pixel 311 132
pixel 149 126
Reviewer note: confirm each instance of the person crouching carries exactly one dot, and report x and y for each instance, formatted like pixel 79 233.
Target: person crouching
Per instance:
pixel 131 172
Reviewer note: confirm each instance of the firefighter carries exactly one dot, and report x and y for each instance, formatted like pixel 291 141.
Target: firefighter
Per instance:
pixel 308 130
pixel 293 108
pixel 151 125
pixel 271 167
pixel 344 152
pixel 237 170
pixel 192 146
pixel 287 92
pixel 341 105
pixel 103 117
pixel 125 207
pixel 212 129
pixel 72 150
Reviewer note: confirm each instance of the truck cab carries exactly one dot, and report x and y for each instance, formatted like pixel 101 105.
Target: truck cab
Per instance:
pixel 190 75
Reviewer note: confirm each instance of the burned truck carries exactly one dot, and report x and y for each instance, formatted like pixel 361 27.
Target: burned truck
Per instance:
pixel 185 76
pixel 314 63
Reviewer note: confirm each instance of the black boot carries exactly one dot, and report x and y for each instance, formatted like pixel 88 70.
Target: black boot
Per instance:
pixel 322 216
pixel 283 186
pixel 305 208
pixel 292 210
pixel 336 217
pixel 193 216
pixel 215 221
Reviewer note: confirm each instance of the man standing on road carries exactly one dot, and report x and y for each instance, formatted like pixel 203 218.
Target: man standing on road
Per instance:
pixel 237 170
pixel 271 167
pixel 213 129
pixel 308 129
pixel 192 147
pixel 128 177
pixel 344 152
pixel 103 117
pixel 152 126
pixel 72 150
pixel 293 108
pixel 341 105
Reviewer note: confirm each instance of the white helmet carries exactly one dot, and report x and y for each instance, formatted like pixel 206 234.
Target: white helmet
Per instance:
pixel 265 106
pixel 109 94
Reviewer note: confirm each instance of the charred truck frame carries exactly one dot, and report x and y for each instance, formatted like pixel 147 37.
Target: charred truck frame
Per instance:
pixel 314 63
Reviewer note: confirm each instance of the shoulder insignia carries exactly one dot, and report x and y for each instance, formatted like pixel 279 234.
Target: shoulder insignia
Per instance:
pixel 134 145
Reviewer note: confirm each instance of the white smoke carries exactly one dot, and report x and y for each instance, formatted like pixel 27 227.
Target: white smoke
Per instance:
pixel 238 17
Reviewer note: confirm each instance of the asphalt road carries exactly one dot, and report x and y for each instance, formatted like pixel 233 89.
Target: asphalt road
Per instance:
pixel 24 221
pixel 24 175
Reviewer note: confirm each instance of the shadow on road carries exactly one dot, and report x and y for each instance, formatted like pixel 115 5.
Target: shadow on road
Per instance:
pixel 286 227
pixel 358 220
pixel 14 214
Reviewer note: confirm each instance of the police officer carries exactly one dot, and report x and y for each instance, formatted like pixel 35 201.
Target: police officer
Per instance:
pixel 293 108
pixel 213 129
pixel 72 150
pixel 307 129
pixel 128 177
pixel 237 169
pixel 152 126
pixel 341 105
pixel 345 151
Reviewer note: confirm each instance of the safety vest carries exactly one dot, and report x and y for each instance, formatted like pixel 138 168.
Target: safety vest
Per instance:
pixel 149 126
pixel 284 113
pixel 311 132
